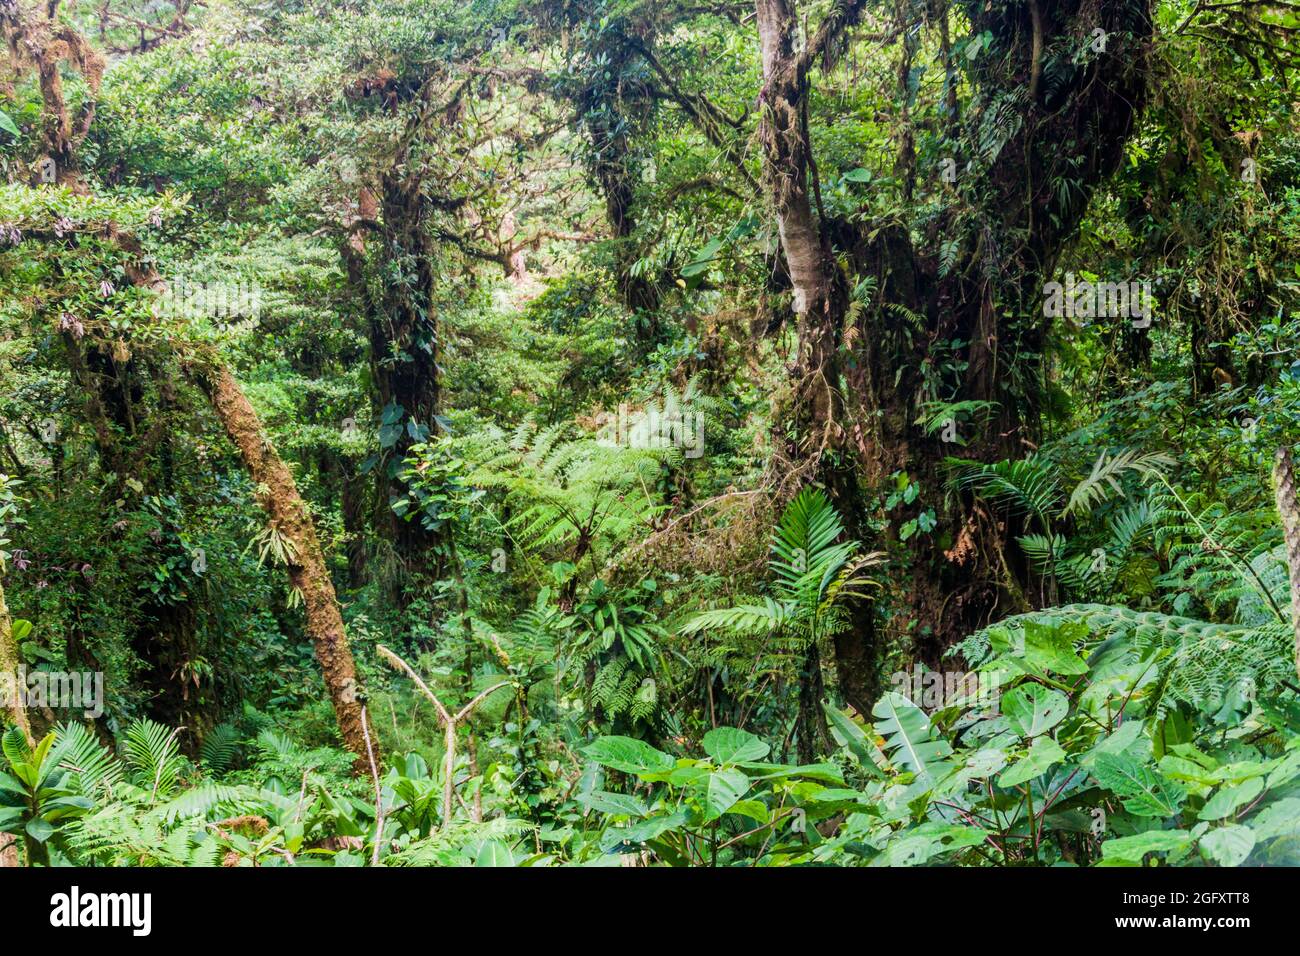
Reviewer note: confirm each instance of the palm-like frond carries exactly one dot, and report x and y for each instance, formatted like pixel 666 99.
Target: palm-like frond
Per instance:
pixel 813 574
pixel 78 752
pixel 1107 470
pixel 1028 486
pixel 742 619
pixel 154 756
pixel 220 747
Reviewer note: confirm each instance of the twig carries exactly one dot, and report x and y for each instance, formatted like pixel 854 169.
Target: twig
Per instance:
pixel 379 792
pixel 449 724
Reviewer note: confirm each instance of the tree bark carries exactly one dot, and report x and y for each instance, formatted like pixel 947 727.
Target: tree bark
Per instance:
pixel 813 736
pixel 1287 507
pixel 981 310
pixel 404 351
pixel 278 494
pixel 945 327
pixel 813 440
pixel 13 698
pixel 609 101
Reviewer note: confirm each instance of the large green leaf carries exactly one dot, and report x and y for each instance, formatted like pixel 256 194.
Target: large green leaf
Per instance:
pixel 1038 648
pixel 848 733
pixel 720 791
pixel 494 853
pixel 1043 753
pixel 1228 846
pixel 1131 849
pixel 1277 819
pixel 910 740
pixel 616 804
pixel 1144 791
pixel 628 755
pixel 825 772
pixel 39 830
pixel 12 785
pixel 729 745
pixel 629 839
pixel 1228 799
pixel 1033 709
pixel 918 845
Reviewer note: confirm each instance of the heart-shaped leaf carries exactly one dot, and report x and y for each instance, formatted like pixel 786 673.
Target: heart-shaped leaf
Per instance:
pixel 1033 709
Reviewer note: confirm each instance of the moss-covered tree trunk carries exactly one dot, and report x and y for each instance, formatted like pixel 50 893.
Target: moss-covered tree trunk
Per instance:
pixel 955 313
pixel 15 712
pixel 278 495
pixel 812 432
pixel 1289 510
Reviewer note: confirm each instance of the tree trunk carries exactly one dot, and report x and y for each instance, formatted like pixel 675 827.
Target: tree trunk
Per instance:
pixel 813 735
pixel 278 495
pixel 404 352
pixel 951 312
pixel 612 100
pixel 982 308
pixel 353 497
pixel 1287 507
pixel 15 711
pixel 814 437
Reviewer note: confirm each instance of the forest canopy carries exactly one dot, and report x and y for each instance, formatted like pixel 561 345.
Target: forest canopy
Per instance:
pixel 649 433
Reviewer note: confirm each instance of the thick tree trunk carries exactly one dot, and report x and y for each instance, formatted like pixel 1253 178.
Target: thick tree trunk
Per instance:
pixel 612 168
pixel 610 103
pixel 1289 509
pixel 813 438
pixel 404 352
pixel 15 712
pixel 978 310
pixel 402 330
pixel 278 495
pixel 964 318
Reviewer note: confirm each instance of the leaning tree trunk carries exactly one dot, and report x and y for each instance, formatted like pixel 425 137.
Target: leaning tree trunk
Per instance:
pixel 278 495
pixel 1287 507
pixel 47 43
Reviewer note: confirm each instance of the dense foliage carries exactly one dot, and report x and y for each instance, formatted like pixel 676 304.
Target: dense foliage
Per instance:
pixel 649 433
